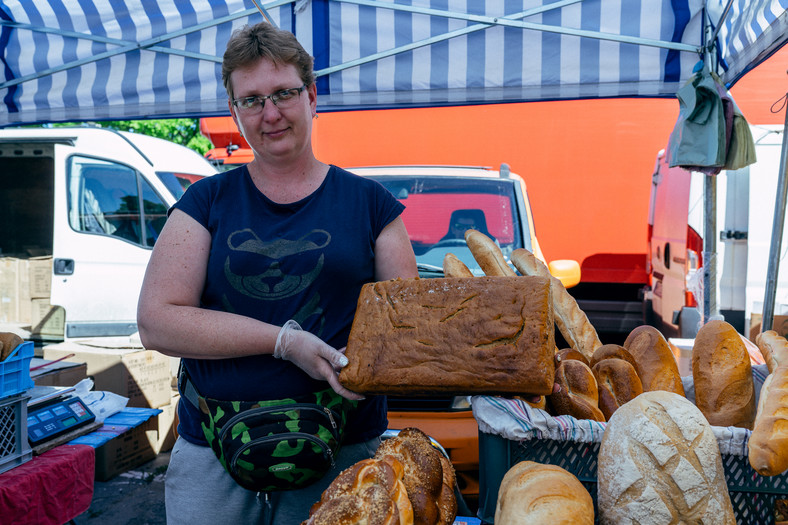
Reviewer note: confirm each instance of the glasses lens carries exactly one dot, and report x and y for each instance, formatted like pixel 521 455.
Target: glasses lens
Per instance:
pixel 249 104
pixel 286 97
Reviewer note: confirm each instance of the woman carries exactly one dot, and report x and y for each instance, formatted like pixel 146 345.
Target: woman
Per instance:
pixel 284 241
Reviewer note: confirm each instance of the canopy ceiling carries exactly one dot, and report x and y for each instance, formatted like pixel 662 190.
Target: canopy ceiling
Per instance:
pixel 76 60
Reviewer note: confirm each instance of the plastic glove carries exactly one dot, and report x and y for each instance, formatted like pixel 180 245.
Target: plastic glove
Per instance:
pixel 313 356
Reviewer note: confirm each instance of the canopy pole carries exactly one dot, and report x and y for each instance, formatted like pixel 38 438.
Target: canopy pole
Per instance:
pixel 710 249
pixel 710 208
pixel 777 235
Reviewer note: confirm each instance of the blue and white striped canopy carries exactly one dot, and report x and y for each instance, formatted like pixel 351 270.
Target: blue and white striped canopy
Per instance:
pixel 77 60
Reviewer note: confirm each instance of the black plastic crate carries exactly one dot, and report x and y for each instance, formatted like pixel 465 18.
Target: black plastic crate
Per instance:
pixel 753 496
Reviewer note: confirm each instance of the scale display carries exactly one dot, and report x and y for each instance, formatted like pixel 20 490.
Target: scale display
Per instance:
pixel 59 417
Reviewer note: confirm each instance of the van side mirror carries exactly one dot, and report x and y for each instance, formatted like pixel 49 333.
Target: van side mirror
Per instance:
pixel 565 270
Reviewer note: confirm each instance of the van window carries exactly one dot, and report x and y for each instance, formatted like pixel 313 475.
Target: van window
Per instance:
pixel 104 199
pixel 178 183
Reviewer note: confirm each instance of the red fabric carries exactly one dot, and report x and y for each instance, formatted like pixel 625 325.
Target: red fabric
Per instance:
pixel 52 488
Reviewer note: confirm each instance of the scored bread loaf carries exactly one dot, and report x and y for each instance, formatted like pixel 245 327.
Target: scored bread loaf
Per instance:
pixel 454 267
pixel 424 477
pixel 618 383
pixel 540 494
pixel 369 492
pixel 487 254
pixel 572 322
pixel 452 335
pixel 774 348
pixel 768 444
pixel 579 394
pixel 659 462
pixel 722 374
pixel 656 365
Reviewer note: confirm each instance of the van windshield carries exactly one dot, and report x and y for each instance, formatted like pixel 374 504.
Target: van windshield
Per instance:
pixel 440 208
pixel 177 183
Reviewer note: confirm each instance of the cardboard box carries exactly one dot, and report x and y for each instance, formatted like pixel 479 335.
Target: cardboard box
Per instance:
pixel 779 325
pixel 166 427
pixel 141 375
pixel 47 320
pixel 14 290
pixel 62 373
pixel 129 449
pixel 40 279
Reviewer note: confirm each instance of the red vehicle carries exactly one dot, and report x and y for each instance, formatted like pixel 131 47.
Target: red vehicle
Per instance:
pixel 231 149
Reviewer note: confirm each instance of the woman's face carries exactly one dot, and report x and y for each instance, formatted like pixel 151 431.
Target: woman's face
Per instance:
pixel 276 134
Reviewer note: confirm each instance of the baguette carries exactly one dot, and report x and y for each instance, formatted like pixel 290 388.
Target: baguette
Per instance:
pixel 572 322
pixel 454 267
pixel 488 254
pixel 768 444
pixel 774 348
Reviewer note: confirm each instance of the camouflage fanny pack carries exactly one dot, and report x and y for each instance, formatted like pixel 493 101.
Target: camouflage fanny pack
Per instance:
pixel 282 444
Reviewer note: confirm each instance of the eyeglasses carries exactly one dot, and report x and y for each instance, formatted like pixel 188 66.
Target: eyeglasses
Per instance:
pixel 281 99
pixel 463 225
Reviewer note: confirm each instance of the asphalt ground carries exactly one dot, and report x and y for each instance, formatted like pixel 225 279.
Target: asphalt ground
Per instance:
pixel 134 497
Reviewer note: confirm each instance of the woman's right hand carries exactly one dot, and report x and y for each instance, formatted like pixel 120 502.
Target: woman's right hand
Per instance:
pixel 318 359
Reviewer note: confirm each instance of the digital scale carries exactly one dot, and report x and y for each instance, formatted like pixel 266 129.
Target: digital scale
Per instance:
pixel 53 411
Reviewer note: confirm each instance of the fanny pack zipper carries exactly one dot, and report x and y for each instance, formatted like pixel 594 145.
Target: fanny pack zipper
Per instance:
pixel 281 408
pixel 292 435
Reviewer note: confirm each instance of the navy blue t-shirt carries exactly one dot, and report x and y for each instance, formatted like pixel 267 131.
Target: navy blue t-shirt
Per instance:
pixel 305 261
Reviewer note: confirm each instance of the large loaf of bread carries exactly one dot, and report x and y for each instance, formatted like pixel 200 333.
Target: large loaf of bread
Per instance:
pixel 659 463
pixel 540 494
pixel 768 444
pixel 722 374
pixel 491 335
pixel 656 365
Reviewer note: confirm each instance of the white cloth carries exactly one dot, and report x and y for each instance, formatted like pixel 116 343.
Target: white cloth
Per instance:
pixel 518 421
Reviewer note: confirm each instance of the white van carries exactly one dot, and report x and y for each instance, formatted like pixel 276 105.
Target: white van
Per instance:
pixel 745 215
pixel 89 204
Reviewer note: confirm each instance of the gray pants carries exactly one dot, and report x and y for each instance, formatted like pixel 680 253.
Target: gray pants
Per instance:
pixel 198 490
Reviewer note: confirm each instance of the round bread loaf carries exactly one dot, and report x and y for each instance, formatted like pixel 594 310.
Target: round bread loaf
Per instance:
pixel 656 364
pixel 659 463
pixel 569 353
pixel 612 351
pixel 579 394
pixel 618 384
pixel 537 494
pixel 722 374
